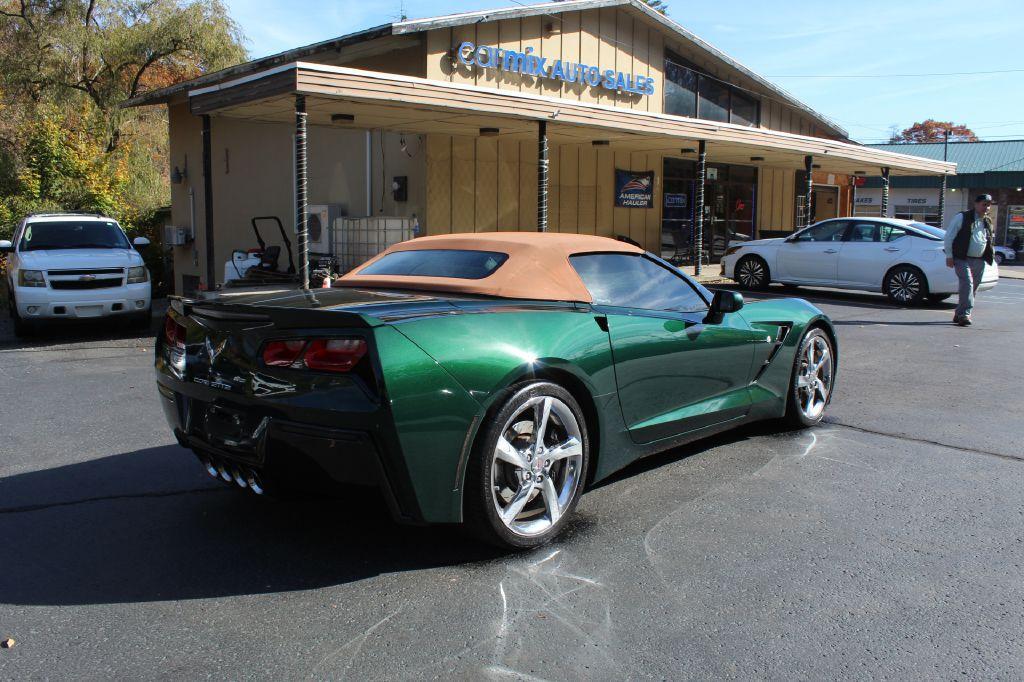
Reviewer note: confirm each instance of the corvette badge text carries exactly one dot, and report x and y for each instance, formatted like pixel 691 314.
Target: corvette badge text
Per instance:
pixel 528 64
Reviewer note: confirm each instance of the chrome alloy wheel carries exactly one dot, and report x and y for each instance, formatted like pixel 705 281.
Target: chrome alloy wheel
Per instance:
pixel 814 378
pixel 535 468
pixel 905 285
pixel 751 273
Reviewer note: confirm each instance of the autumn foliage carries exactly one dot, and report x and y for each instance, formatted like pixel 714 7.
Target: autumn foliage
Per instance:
pixel 934 131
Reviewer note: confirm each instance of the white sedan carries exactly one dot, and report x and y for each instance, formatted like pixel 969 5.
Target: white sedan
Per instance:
pixel 901 258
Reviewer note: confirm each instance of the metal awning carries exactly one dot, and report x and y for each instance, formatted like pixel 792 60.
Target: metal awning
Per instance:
pixel 377 100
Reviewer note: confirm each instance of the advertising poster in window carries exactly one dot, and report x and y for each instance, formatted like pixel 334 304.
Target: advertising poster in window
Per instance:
pixel 634 189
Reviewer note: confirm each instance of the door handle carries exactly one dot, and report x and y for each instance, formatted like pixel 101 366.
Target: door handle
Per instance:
pixel 831 251
pixel 892 248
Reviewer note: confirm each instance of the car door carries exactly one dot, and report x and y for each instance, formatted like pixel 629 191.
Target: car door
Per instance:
pixel 812 255
pixel 870 248
pixel 675 371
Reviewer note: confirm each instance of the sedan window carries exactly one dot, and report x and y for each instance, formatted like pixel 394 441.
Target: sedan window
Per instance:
pixel 823 232
pixel 891 233
pixel 629 281
pixel 863 232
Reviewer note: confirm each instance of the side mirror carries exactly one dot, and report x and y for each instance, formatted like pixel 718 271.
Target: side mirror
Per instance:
pixel 725 301
pixel 6 246
pixel 140 242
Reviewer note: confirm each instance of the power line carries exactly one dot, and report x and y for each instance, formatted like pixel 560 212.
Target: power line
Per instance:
pixel 900 75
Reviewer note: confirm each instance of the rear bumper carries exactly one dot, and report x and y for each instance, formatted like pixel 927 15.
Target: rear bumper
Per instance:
pixel 299 455
pixel 39 303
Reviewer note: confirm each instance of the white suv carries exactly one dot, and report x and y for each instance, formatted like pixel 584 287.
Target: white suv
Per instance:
pixel 70 266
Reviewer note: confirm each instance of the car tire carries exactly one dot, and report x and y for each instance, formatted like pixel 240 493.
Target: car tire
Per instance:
pixel 141 320
pixel 752 273
pixel 939 298
pixel 22 328
pixel 998 257
pixel 518 493
pixel 905 285
pixel 810 388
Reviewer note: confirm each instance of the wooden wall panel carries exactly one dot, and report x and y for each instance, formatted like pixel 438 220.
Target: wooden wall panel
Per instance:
pixel 637 219
pixel 486 206
pixel 652 216
pixel 439 184
pixel 587 211
pixel 656 61
pixel 641 56
pixel 623 53
pixel 460 72
pixel 530 37
pixel 528 185
pixel 620 216
pixel 607 51
pixel 590 41
pixel 605 206
pixel 568 187
pixel 439 42
pixel 508 185
pixel 550 47
pixel 463 184
pixel 488 34
pixel 571 26
pixel 510 38
pixel 554 190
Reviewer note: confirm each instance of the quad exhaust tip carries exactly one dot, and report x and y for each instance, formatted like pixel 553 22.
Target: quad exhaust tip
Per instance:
pixel 243 477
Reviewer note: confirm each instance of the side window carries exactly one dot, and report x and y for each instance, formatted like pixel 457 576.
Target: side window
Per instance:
pixel 831 231
pixel 635 282
pixel 891 233
pixel 863 232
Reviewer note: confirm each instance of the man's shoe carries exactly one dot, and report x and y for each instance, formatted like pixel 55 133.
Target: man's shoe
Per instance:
pixel 956 319
pixel 964 322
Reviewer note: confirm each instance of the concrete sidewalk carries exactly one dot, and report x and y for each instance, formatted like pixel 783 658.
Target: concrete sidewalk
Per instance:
pixel 1012 271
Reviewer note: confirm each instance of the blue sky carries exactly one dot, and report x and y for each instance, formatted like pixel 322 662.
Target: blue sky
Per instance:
pixel 781 40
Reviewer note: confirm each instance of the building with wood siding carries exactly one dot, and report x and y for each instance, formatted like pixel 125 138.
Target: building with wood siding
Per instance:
pixel 448 124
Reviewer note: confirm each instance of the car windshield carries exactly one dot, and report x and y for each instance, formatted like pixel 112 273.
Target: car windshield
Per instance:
pixel 930 230
pixel 73 234
pixel 438 263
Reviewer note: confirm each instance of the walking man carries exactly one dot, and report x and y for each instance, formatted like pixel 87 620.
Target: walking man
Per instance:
pixel 968 249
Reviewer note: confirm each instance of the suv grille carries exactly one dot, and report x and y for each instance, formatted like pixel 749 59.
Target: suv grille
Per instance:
pixel 86 284
pixel 94 278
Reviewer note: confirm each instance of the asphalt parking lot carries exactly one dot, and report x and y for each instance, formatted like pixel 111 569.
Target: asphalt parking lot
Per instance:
pixel 887 543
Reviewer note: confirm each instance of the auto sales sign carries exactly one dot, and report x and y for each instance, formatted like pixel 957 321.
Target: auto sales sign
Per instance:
pixel 634 189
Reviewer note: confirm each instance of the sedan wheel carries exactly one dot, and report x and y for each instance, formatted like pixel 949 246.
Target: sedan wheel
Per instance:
pixel 999 258
pixel 752 273
pixel 533 464
pixel 813 372
pixel 906 285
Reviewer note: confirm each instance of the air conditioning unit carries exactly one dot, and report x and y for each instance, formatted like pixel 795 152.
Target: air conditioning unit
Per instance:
pixel 320 226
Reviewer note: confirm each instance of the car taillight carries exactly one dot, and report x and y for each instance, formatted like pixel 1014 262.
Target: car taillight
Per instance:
pixel 334 355
pixel 283 353
pixel 321 355
pixel 174 332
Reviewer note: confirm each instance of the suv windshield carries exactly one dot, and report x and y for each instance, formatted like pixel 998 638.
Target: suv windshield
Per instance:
pixel 73 234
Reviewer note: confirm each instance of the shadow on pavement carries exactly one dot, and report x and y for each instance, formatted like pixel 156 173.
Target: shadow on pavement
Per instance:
pixel 69 332
pixel 149 525
pixel 173 533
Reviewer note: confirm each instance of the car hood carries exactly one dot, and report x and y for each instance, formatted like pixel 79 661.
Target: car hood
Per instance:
pixel 759 242
pixel 64 259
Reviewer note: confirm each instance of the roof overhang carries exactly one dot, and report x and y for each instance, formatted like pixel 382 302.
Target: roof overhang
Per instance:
pixel 417 105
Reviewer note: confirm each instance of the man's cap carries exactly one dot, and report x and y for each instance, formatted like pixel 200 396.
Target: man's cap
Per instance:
pixel 983 197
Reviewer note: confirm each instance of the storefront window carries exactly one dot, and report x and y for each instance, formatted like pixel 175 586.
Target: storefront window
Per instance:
pixel 680 90
pixel 729 209
pixel 689 93
pixel 713 103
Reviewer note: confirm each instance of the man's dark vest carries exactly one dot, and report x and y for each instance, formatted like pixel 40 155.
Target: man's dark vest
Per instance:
pixel 962 240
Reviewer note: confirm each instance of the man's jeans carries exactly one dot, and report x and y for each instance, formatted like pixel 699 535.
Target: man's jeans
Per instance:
pixel 968 271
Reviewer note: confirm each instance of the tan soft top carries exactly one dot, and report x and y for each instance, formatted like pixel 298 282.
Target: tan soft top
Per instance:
pixel 537 267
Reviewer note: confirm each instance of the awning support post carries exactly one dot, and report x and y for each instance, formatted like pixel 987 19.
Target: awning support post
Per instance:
pixel 211 267
pixel 300 189
pixel 542 176
pixel 942 202
pixel 885 192
pixel 698 218
pixel 809 190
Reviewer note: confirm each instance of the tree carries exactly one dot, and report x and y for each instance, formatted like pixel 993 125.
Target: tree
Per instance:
pixel 657 5
pixel 111 50
pixel 66 66
pixel 934 131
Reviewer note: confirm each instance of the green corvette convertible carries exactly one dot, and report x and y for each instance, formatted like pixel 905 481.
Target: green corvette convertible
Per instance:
pixel 483 379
